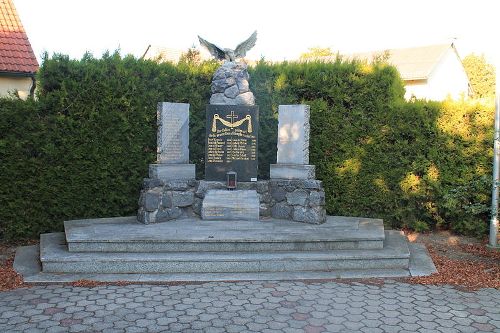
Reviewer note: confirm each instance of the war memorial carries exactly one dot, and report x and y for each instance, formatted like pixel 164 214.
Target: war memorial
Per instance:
pixel 230 225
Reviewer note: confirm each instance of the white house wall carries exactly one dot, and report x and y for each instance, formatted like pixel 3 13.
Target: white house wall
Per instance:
pixel 416 88
pixel 448 78
pixel 21 85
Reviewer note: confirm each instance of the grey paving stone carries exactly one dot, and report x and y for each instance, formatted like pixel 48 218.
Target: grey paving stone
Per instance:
pixel 484 327
pixel 466 329
pixel 220 322
pixel 282 307
pixel 90 320
pixel 18 320
pixel 353 326
pixel 391 321
pixel 430 325
pixel 234 328
pixel 47 323
pixel 495 323
pixel 426 330
pixel 200 325
pixel 479 319
pixel 334 328
pixel 410 327
pixel 25 326
pixel 371 330
pixel 448 330
pixel 256 326
pixel 373 315
pixel 372 323
pixel 390 328
pixel 391 307
pixel 276 325
pixel 57 329
pixel 79 328
pixel 132 329
pixel 463 321
pixel 99 326
pixel 82 315
pixel 9 314
pixel 445 322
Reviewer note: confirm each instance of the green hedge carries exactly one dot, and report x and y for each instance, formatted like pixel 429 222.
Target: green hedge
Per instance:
pixel 82 149
pixel 417 165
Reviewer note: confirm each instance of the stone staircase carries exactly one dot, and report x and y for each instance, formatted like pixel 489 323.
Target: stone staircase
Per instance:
pixel 114 249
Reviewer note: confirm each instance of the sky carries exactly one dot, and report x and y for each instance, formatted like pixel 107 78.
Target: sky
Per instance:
pixel 285 28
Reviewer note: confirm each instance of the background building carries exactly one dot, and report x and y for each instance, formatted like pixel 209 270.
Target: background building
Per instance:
pixel 18 63
pixel 432 72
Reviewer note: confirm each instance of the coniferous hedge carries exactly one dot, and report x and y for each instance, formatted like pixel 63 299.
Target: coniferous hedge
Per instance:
pixel 83 147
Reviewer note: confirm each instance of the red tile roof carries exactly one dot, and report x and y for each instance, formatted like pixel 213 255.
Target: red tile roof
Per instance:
pixel 16 54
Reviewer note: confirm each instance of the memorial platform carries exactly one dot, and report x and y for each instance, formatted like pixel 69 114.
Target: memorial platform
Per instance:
pixel 121 249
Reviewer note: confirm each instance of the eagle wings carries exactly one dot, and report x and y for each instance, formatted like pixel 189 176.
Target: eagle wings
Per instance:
pixel 228 54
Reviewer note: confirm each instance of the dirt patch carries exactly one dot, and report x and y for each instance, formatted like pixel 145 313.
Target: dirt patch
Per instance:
pixel 7 251
pixel 9 279
pixel 461 261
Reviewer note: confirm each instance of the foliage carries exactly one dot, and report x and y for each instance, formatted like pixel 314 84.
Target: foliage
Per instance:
pixel 481 75
pixel 467 131
pixel 191 56
pixel 419 165
pixel 82 148
pixel 316 52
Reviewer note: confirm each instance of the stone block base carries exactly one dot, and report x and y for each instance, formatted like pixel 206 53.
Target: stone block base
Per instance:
pixel 297 200
pixel 172 171
pixel 230 205
pixel 300 200
pixel 164 200
pixel 292 171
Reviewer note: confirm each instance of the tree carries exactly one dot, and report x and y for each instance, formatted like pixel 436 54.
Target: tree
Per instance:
pixel 316 52
pixel 481 75
pixel 191 56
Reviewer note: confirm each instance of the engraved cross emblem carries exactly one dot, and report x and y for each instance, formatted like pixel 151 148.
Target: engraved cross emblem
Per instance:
pixel 232 117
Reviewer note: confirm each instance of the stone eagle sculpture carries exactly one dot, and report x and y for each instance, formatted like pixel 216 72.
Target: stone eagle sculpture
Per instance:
pixel 227 54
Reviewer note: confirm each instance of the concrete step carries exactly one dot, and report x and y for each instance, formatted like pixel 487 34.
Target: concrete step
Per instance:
pixel 46 278
pixel 27 263
pixel 55 258
pixel 125 234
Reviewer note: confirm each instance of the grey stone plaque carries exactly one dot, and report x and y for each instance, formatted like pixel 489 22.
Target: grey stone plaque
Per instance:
pixel 230 205
pixel 293 134
pixel 231 142
pixel 173 133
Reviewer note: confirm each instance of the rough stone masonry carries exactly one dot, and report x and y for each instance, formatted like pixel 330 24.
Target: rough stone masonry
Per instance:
pixel 230 85
pixel 300 200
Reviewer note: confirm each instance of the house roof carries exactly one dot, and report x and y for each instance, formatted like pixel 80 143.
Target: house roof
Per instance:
pixel 415 63
pixel 16 54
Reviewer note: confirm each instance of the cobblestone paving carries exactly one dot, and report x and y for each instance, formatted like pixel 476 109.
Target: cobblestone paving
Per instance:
pixel 251 307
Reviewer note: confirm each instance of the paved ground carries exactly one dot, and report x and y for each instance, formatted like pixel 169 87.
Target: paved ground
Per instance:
pixel 251 307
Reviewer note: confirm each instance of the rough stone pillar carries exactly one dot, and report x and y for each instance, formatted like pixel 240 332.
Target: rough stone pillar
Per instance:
pixel 230 85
